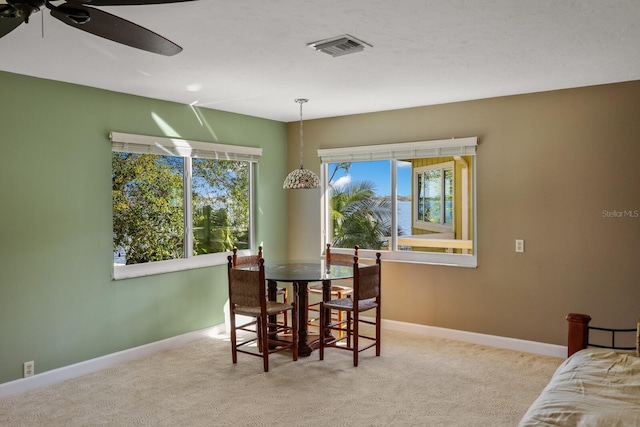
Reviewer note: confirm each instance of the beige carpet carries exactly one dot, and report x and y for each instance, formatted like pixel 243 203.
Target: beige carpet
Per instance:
pixel 418 380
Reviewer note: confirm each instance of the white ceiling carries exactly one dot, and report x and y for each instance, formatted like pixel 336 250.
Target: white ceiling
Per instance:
pixel 250 56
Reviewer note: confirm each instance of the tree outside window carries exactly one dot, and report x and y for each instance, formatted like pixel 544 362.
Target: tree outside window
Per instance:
pixel 152 221
pixel 221 205
pixel 360 214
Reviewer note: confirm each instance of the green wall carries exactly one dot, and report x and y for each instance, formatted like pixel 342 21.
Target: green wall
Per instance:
pixel 58 304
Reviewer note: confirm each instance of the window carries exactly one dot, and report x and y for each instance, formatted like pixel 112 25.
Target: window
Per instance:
pixel 434 196
pixel 414 201
pixel 178 204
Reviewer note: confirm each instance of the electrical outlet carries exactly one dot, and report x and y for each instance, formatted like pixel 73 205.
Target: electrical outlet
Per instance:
pixel 28 369
pixel 519 245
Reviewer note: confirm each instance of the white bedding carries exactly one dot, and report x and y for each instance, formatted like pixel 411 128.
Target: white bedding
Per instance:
pixel 594 387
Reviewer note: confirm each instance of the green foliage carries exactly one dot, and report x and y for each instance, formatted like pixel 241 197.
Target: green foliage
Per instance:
pixel 221 204
pixel 148 220
pixel 212 231
pixel 358 216
pixel 148 211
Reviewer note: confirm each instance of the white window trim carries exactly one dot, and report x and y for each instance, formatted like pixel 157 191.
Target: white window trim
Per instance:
pixel 403 150
pixel 436 148
pixel 169 266
pixel 166 146
pixel 143 144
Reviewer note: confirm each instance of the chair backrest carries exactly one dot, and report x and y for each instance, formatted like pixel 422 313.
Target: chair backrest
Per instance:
pixel 246 260
pixel 246 286
pixel 340 259
pixel 366 280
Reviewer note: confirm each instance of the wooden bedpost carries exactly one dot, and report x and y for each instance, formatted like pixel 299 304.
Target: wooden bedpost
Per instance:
pixel 578 326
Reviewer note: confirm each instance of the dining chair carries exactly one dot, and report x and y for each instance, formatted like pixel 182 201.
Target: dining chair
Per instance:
pixel 253 260
pixel 336 291
pixel 366 296
pixel 247 298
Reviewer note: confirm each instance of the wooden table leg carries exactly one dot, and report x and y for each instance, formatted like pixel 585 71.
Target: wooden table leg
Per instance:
pixel 301 294
pixel 272 288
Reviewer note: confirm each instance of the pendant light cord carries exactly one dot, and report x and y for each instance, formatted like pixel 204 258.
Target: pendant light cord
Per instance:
pixel 301 101
pixel 301 178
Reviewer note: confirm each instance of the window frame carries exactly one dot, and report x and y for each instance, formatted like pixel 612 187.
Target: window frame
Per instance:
pixel 178 147
pixel 443 226
pixel 393 153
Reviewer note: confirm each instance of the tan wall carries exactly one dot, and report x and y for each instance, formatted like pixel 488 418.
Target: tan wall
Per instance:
pixel 548 165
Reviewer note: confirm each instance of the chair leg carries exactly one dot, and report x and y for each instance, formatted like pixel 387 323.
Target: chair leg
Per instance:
pixel 259 334
pixel 378 330
pixel 232 324
pixel 265 342
pixel 349 329
pixel 356 332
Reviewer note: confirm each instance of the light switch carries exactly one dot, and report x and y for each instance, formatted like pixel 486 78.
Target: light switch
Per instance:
pixel 519 245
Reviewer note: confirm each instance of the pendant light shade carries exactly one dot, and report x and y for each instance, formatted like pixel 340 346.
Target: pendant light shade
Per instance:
pixel 301 178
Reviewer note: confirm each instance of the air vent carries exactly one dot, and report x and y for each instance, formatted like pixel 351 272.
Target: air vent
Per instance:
pixel 341 45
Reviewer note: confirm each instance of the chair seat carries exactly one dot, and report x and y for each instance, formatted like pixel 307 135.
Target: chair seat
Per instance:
pixel 346 304
pixel 273 308
pixel 317 288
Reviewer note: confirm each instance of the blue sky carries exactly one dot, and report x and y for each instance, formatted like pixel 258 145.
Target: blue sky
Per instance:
pixel 379 173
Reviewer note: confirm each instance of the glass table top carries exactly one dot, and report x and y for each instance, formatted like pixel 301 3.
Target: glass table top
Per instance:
pixel 304 271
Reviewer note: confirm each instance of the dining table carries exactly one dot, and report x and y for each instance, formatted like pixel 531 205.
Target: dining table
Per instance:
pixel 300 274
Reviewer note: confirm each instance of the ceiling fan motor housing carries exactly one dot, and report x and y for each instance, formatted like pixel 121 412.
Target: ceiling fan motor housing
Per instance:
pixel 22 8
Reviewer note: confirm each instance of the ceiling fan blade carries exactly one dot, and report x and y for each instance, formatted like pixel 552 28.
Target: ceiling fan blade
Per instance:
pixel 114 28
pixel 6 9
pixel 7 23
pixel 123 2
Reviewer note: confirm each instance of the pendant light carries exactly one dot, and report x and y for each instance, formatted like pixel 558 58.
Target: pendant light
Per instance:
pixel 301 178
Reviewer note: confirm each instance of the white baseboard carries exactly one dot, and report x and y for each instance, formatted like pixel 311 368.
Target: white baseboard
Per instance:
pixel 476 338
pixel 24 385
pixel 64 373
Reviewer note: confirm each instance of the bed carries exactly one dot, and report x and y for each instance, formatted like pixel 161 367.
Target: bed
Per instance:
pixel 597 385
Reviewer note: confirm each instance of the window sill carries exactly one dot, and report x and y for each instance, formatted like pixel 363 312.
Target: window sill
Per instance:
pixel 444 259
pixel 121 272
pixel 435 228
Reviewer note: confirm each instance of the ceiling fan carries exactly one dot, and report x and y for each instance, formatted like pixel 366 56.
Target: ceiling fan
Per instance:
pixel 79 14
